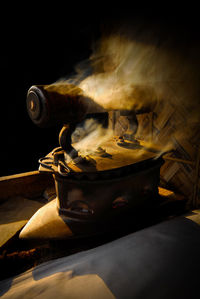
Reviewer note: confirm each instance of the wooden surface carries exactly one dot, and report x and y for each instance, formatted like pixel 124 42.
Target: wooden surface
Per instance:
pixel 30 184
pixel 14 214
pixel 16 206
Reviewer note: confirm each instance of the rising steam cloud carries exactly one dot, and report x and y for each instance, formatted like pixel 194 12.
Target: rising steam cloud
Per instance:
pixel 119 80
pixel 131 74
pixel 128 73
pixel 90 136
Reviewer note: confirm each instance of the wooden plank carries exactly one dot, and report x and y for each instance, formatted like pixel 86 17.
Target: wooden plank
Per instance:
pixel 30 184
pixel 163 116
pixel 14 214
pixel 167 157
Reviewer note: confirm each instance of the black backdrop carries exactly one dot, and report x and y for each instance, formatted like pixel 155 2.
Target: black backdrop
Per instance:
pixel 39 47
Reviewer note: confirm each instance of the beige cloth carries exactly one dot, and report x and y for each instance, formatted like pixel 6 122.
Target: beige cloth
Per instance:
pixel 59 285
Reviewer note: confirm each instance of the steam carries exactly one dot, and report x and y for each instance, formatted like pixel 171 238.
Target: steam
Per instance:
pixel 89 136
pixel 127 72
pixel 118 81
pixel 132 75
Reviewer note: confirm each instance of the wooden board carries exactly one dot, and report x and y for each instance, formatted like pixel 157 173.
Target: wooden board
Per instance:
pixel 16 206
pixel 30 184
pixel 14 214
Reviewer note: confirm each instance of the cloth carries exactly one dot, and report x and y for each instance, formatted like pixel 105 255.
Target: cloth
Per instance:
pixel 161 261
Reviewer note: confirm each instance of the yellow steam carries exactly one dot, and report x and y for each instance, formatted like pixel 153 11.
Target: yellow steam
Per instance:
pixel 129 74
pixel 118 81
pixel 91 136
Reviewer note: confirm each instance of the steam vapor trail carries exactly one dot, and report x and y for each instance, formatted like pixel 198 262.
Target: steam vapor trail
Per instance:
pixel 127 73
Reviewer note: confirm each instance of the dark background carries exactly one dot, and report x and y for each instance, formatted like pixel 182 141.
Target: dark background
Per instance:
pixel 39 45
